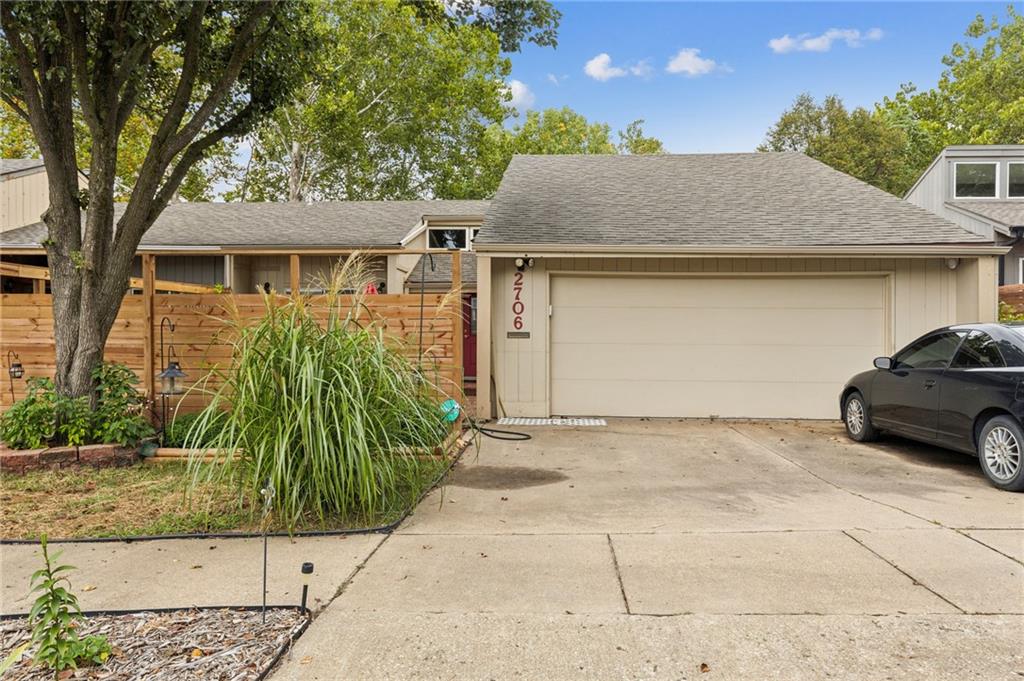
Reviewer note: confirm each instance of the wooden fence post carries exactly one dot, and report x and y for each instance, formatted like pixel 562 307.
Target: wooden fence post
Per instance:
pixel 457 321
pixel 295 274
pixel 149 338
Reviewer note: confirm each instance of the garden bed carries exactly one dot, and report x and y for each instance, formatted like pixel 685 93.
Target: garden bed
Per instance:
pixel 209 644
pixel 146 500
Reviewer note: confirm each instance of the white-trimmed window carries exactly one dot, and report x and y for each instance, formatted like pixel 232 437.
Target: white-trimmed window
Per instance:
pixel 448 238
pixel 975 180
pixel 1015 180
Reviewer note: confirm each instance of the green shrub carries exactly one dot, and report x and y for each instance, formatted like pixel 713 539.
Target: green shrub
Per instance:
pixel 178 430
pixel 53 618
pixel 44 418
pixel 30 423
pixel 328 411
pixel 119 406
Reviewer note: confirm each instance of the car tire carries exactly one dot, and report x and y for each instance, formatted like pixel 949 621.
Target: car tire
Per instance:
pixel 857 419
pixel 1001 453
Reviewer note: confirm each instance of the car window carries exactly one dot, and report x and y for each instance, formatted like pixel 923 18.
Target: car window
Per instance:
pixel 932 352
pixel 978 351
pixel 1013 349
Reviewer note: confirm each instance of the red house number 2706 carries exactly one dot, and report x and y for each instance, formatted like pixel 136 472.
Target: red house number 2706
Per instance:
pixel 518 307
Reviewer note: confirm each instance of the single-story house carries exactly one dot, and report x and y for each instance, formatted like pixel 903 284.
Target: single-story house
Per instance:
pixel 981 188
pixel 736 285
pixel 245 247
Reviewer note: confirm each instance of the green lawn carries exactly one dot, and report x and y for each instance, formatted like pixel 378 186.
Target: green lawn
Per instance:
pixel 148 499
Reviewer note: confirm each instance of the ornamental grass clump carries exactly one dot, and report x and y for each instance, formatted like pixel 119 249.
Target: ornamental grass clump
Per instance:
pixel 328 410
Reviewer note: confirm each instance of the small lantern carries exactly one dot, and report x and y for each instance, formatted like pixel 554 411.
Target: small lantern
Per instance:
pixel 307 575
pixel 170 378
pixel 14 368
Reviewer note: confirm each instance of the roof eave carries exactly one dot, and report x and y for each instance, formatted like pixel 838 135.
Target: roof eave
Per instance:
pixel 571 250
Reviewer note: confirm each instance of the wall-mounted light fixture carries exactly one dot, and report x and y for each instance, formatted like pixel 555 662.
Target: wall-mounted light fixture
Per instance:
pixel 952 263
pixel 14 369
pixel 523 262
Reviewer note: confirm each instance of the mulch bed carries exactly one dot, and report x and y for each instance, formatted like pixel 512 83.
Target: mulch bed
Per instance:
pixel 228 645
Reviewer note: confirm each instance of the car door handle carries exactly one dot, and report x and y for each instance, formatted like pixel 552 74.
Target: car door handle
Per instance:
pixel 929 384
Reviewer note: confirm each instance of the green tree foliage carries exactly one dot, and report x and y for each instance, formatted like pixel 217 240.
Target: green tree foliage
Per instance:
pixel 979 99
pixel 201 180
pixel 394 103
pixel 194 75
pixel 552 131
pixel 860 143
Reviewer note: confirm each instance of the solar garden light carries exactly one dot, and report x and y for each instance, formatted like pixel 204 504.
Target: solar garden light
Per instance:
pixel 268 494
pixel 14 369
pixel 307 575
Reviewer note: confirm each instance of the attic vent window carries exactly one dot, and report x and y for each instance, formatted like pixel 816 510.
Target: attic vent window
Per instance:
pixel 976 180
pixel 447 238
pixel 1015 190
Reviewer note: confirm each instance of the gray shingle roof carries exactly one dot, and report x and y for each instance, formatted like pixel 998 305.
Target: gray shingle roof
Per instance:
pixel 17 165
pixel 441 276
pixel 753 199
pixel 1005 213
pixel 342 224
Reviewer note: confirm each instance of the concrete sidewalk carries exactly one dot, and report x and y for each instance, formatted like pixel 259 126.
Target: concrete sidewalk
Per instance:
pixel 185 572
pixel 648 548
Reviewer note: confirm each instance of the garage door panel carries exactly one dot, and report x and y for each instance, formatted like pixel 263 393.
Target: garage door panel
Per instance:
pixel 698 346
pixel 685 327
pixel 712 292
pixel 755 363
pixel 701 399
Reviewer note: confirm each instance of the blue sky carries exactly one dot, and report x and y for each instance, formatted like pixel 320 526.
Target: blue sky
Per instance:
pixel 711 77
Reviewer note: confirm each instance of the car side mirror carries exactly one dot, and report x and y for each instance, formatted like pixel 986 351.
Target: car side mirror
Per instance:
pixel 884 363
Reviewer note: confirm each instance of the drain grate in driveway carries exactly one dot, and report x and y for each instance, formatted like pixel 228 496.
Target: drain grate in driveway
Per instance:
pixel 520 421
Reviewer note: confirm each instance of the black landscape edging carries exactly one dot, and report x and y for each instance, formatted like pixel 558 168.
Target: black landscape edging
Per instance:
pixel 380 529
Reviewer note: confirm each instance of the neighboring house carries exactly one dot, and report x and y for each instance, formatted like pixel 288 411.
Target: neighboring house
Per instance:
pixel 24 191
pixel 981 188
pixel 736 285
pixel 246 247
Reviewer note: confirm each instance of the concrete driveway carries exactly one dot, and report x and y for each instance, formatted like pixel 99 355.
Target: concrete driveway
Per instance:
pixel 689 549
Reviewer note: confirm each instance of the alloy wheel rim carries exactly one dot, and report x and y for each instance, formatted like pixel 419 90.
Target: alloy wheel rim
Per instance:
pixel 1002 453
pixel 855 416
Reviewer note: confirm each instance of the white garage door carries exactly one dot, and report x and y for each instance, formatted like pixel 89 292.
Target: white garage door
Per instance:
pixel 700 346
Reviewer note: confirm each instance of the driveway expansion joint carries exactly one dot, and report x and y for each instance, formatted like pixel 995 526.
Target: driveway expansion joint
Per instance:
pixel 836 485
pixel 912 578
pixel 618 575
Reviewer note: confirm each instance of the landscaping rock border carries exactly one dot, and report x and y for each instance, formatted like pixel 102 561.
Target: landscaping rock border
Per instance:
pixel 20 461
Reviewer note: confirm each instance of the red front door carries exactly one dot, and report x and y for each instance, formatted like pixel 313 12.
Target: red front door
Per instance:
pixel 469 335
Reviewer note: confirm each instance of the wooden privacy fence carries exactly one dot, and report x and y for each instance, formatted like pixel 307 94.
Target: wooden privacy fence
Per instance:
pixel 201 337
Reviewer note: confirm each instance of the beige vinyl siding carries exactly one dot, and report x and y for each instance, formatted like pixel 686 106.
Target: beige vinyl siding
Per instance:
pixel 924 293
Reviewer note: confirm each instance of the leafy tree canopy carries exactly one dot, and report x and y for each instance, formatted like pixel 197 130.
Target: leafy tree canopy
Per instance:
pixel 979 99
pixel 552 131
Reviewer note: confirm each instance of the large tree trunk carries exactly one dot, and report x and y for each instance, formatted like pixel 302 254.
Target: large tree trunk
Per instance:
pixel 296 172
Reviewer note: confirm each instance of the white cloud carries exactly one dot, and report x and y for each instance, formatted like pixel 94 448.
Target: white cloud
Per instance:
pixel 689 62
pixel 557 80
pixel 600 68
pixel 641 69
pixel 522 97
pixel 805 42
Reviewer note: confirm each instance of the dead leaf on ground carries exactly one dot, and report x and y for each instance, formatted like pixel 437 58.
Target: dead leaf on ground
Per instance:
pixel 704 668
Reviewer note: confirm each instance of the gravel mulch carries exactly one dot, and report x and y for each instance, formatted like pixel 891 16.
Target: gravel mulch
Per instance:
pixel 228 645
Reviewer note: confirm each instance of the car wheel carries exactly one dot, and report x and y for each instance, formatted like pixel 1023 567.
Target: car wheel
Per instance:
pixel 855 418
pixel 1000 451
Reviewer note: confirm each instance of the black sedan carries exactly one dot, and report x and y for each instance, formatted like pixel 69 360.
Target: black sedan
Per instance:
pixel 960 387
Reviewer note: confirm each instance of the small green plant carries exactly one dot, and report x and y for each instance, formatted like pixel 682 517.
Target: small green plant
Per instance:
pixel 74 420
pixel 53 618
pixel 181 428
pixel 31 421
pixel 119 406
